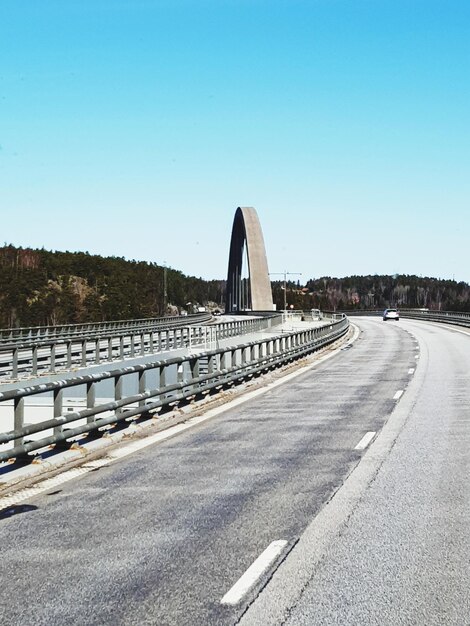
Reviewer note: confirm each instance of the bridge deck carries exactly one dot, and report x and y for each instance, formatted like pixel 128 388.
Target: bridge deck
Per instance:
pixel 161 536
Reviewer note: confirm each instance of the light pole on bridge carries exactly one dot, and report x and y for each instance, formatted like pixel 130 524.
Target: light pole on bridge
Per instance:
pixel 165 293
pixel 285 273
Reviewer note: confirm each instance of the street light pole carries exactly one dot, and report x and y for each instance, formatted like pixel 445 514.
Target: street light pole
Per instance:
pixel 165 294
pixel 285 273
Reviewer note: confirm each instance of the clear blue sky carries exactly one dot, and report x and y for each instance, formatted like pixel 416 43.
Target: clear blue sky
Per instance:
pixel 135 128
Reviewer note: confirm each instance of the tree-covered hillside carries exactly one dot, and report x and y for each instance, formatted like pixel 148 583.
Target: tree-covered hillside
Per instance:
pixel 376 292
pixel 42 287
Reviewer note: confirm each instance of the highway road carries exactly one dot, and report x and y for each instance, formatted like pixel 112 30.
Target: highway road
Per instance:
pixel 393 546
pixel 370 531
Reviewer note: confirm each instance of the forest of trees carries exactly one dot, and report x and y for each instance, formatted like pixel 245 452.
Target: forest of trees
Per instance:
pixel 376 292
pixel 41 287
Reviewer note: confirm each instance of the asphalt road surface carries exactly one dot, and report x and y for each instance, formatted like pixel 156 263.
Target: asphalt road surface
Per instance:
pixel 160 537
pixel 393 546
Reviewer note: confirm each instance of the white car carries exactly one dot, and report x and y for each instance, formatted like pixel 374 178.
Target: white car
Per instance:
pixel 391 314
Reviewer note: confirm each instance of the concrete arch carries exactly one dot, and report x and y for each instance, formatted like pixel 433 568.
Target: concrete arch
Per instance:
pixel 258 297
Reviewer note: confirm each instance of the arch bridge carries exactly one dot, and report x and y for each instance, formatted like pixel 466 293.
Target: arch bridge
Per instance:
pixel 255 292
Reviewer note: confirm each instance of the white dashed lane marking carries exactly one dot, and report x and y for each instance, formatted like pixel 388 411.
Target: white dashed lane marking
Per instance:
pixel 365 441
pixel 248 580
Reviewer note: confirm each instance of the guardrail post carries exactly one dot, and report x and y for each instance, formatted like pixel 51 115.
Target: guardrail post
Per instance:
pixel 262 349
pixel 14 364
pixel 97 351
pixel 132 346
pixel 167 340
pixel 194 367
pixel 180 373
pixel 52 365
pixel 90 400
pixel 121 347
pixel 58 410
pixel 69 354
pixel 162 380
pixel 226 360
pixel 34 364
pixel 83 352
pixel 142 344
pixel 194 371
pixel 142 385
pixel 244 354
pixel 118 395
pixel 18 419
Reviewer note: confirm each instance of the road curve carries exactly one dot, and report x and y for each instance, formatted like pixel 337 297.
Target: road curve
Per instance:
pixel 160 537
pixel 393 546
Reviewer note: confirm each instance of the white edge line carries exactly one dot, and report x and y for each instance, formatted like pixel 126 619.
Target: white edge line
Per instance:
pixel 456 330
pixel 398 394
pixel 365 441
pixel 253 573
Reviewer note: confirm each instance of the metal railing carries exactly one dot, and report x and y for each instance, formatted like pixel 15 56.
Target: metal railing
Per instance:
pixel 87 329
pixel 49 355
pixel 150 387
pixel 446 317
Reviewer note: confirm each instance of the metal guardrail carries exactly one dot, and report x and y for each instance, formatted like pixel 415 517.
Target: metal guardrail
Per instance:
pixel 93 329
pixel 446 317
pixel 154 385
pixel 47 355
